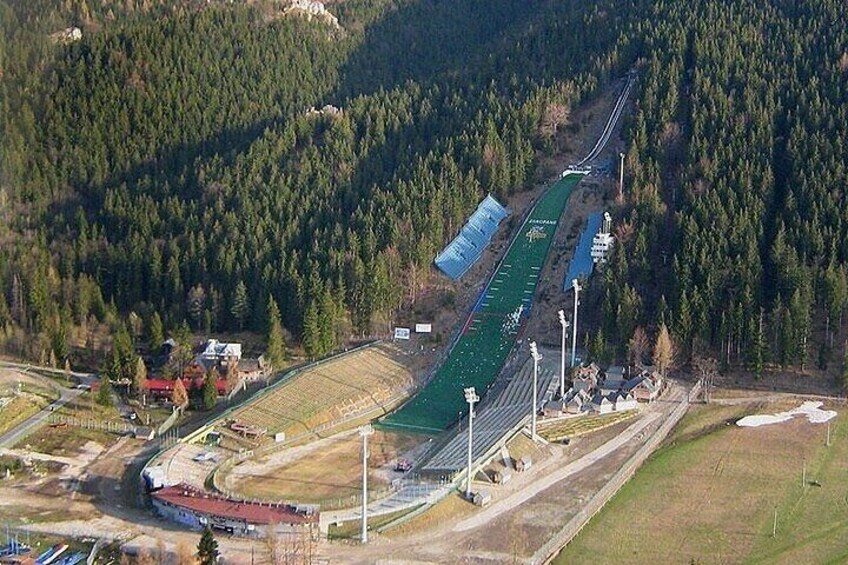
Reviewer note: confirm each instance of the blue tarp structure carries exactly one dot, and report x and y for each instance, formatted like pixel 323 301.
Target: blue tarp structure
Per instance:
pixel 581 263
pixel 476 234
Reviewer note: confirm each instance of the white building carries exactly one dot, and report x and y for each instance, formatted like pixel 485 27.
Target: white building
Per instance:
pixel 603 241
pixel 221 353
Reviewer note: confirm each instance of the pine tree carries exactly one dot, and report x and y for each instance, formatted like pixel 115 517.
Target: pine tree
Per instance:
pixel 210 391
pixel 104 394
pixel 207 548
pixel 156 333
pixel 276 339
pixel 312 331
pixel 240 307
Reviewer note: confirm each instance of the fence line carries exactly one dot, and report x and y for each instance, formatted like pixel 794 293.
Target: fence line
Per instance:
pixel 568 532
pixel 91 423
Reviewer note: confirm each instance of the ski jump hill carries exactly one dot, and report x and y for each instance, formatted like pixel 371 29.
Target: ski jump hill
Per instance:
pixel 491 329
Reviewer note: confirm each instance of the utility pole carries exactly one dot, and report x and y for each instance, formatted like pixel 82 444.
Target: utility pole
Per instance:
pixel 365 431
pixel 471 398
pixel 534 351
pixel 564 323
pixel 827 443
pixel 774 526
pixel 576 286
pixel 621 179
pixel 804 474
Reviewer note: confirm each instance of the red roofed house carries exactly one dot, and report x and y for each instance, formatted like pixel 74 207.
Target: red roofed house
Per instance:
pixel 197 509
pixel 164 388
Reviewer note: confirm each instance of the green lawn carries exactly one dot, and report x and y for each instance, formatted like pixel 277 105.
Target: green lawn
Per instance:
pixel 709 496
pixel 484 344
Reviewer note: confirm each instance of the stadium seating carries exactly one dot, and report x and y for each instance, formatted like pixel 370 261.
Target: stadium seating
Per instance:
pixel 581 264
pixel 359 382
pixel 466 248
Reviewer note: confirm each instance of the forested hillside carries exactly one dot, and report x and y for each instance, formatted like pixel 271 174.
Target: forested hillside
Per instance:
pixel 167 165
pixel 738 233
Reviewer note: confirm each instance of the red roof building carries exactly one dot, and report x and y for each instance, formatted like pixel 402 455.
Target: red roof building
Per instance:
pixel 196 508
pixel 165 387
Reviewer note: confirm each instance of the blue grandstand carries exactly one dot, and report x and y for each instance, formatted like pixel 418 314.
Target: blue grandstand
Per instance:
pixel 581 265
pixel 476 234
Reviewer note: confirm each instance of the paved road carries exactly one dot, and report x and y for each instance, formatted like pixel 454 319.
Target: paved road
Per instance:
pixel 85 378
pixel 22 430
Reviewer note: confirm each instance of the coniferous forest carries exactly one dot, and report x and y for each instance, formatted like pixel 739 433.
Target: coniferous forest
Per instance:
pixel 185 163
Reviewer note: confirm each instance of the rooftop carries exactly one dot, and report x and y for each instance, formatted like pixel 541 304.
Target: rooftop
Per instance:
pixel 188 497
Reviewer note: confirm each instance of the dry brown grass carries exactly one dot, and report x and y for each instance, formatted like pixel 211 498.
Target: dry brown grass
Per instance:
pixel 334 472
pixel 710 496
pixel 451 508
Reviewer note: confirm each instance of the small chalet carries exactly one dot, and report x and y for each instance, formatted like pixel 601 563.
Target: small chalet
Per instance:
pixel 585 378
pixel 553 408
pixel 646 387
pixel 623 401
pixel 579 401
pixel 613 380
pixel 601 404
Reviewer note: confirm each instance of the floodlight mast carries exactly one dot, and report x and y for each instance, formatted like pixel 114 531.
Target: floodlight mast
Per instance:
pixel 365 431
pixel 564 323
pixel 471 398
pixel 534 351
pixel 576 286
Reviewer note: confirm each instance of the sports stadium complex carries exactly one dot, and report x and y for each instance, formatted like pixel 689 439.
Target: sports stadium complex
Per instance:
pixel 276 436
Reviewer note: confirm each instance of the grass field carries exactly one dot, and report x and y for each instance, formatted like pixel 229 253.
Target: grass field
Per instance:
pixel 710 495
pixel 487 338
pixel 327 474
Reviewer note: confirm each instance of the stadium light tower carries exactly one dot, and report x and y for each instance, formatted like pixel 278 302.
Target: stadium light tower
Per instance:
pixel 564 323
pixel 576 287
pixel 365 431
pixel 471 398
pixel 534 351
pixel 621 179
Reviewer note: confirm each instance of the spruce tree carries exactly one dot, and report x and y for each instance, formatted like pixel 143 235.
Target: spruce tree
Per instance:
pixel 210 391
pixel 207 548
pixel 155 332
pixel 276 340
pixel 104 394
pixel 312 331
pixel 240 307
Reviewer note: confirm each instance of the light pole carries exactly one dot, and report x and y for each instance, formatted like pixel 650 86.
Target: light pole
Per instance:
pixel 621 179
pixel 576 287
pixel 536 358
pixel 470 397
pixel 564 323
pixel 365 431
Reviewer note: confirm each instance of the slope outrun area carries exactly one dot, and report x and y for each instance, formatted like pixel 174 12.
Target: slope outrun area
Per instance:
pixel 491 329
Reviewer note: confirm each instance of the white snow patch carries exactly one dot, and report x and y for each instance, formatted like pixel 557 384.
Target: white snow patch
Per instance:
pixel 812 410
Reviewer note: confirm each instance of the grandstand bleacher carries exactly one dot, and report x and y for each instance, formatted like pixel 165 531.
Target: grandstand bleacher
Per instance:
pixel 467 247
pixel 494 421
pixel 581 264
pixel 363 381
